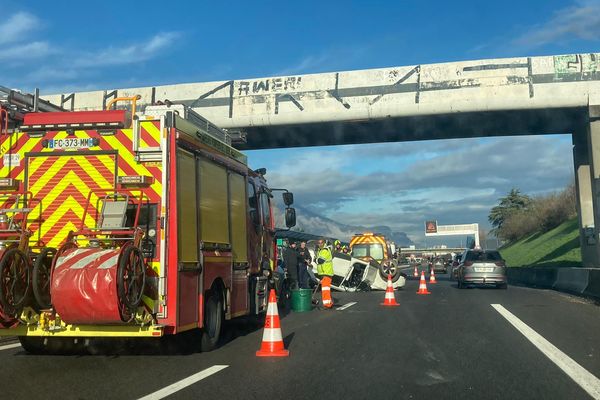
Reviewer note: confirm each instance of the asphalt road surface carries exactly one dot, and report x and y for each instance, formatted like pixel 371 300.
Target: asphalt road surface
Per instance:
pixel 453 344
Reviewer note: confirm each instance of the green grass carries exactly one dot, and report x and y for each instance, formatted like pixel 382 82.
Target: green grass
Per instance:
pixel 556 248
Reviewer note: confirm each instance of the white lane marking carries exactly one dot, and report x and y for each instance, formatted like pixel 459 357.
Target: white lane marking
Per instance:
pixel 182 384
pixel 580 375
pixel 10 346
pixel 347 305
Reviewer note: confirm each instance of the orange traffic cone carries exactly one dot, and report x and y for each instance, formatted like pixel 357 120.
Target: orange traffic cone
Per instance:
pixel 432 276
pixel 390 300
pixel 423 285
pixel 416 273
pixel 272 342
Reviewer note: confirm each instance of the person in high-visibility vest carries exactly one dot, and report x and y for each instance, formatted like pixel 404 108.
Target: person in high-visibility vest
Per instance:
pixel 337 246
pixel 325 271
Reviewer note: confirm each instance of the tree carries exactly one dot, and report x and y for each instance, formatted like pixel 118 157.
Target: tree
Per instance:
pixel 513 201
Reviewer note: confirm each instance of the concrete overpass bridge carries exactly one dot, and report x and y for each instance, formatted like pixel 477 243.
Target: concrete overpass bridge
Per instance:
pixel 496 97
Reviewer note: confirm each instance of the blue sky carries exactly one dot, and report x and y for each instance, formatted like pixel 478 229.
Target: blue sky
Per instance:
pixel 61 47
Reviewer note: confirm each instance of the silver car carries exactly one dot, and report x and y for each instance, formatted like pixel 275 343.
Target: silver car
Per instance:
pixel 482 267
pixel 439 266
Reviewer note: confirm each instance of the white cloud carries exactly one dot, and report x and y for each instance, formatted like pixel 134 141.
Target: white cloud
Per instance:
pixel 580 21
pixel 67 66
pixel 307 64
pixel 329 60
pixel 17 27
pixel 460 185
pixel 17 54
pixel 131 54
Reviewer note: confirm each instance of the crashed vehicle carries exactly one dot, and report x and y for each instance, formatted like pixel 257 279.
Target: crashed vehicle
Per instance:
pixel 351 274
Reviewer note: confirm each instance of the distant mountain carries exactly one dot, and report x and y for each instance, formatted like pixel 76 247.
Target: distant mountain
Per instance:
pixel 310 222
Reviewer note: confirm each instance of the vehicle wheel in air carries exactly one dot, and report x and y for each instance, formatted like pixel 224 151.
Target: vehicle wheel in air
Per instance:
pixel 390 269
pixel 41 277
pixel 15 282
pixel 131 278
pixel 213 321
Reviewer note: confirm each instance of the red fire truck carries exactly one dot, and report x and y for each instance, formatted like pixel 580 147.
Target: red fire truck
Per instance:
pixel 129 223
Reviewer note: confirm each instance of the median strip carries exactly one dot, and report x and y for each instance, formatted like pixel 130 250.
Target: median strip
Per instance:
pixel 182 384
pixel 580 375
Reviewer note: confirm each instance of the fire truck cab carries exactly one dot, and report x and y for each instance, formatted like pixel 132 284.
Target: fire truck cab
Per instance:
pixel 129 223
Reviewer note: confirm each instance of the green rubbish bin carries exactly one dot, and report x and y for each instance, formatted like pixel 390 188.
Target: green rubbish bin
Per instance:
pixel 301 300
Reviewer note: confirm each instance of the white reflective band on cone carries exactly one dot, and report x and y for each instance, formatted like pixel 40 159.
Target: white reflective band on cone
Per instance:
pixel 326 288
pixel 389 295
pixel 272 335
pixel 272 309
pixel 326 301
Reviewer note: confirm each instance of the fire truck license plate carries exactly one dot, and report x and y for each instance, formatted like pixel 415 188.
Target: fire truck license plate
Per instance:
pixel 70 143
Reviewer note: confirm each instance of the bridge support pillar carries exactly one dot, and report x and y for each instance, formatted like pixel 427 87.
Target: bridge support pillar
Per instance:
pixel 586 157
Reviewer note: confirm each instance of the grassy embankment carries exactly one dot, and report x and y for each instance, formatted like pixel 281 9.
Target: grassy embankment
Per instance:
pixel 558 247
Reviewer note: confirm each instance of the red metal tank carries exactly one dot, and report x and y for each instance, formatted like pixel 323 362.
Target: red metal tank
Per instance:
pixel 84 286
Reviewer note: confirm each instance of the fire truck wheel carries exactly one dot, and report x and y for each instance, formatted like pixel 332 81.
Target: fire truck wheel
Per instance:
pixel 131 278
pixel 15 281
pixel 33 344
pixel 213 321
pixel 41 277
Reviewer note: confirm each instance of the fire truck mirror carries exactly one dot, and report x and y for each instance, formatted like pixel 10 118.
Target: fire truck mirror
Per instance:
pixel 288 198
pixel 290 217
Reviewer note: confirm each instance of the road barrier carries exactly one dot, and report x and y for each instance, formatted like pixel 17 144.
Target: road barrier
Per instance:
pixel 580 281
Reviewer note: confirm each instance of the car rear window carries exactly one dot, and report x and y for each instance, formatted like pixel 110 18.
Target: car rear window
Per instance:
pixel 483 256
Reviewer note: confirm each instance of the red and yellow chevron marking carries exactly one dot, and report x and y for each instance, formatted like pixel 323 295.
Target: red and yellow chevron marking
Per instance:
pixel 370 239
pixel 63 182
pixel 150 134
pixel 62 179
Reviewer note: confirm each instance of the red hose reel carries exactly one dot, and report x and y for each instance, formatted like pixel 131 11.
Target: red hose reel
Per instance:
pixel 93 285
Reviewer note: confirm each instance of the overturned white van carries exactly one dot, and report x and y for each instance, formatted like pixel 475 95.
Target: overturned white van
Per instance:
pixel 352 274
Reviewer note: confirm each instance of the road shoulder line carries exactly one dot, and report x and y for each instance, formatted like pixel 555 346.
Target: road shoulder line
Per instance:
pixel 581 376
pixel 10 346
pixel 347 305
pixel 182 384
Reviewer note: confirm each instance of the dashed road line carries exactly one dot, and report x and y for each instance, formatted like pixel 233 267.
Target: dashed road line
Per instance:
pixel 10 346
pixel 580 375
pixel 347 305
pixel 182 384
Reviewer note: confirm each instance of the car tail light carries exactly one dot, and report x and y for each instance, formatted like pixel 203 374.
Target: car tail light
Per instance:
pixel 500 263
pixel 468 263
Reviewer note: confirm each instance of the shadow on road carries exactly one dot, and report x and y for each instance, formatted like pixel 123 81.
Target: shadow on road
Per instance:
pixel 288 339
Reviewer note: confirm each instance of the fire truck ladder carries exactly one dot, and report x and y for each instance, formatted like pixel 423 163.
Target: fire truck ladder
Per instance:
pixel 15 104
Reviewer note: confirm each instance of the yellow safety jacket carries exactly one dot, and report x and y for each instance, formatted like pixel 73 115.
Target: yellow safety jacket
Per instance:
pixel 327 267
